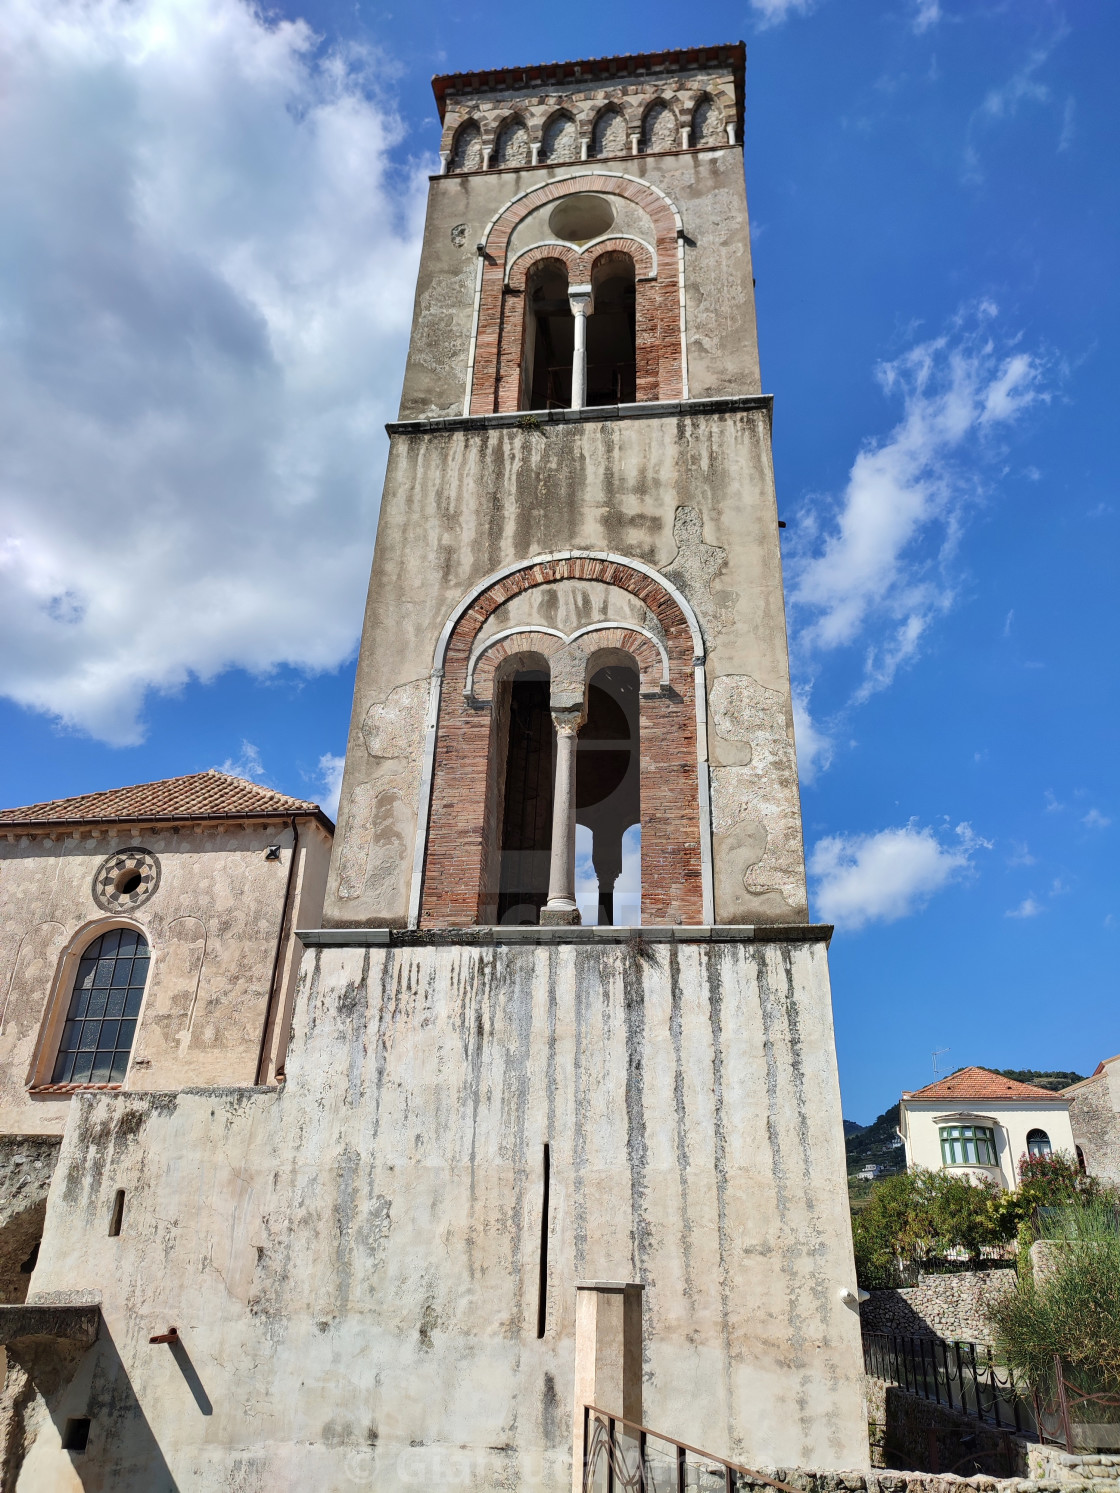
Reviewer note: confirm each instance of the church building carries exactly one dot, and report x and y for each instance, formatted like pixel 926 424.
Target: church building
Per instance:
pixel 551 1118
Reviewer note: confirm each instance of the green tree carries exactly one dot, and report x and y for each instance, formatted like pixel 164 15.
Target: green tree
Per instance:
pixel 919 1219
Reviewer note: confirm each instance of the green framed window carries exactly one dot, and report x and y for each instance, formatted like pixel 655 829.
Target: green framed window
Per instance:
pixel 968 1145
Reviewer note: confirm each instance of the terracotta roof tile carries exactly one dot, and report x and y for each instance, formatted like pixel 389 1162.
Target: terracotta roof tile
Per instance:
pixel 979 1083
pixel 200 795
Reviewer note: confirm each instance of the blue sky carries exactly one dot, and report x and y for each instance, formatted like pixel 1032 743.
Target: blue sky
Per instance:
pixel 205 290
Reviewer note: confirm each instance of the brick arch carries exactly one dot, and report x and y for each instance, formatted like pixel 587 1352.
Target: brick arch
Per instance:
pixel 459 804
pixel 650 660
pixel 541 254
pixel 494 377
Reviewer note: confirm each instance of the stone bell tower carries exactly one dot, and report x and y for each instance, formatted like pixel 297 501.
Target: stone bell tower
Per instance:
pixel 575 631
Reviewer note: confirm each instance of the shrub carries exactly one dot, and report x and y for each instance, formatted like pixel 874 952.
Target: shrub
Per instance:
pixel 1073 1310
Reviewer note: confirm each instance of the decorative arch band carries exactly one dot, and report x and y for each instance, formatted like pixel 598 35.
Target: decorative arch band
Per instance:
pixel 455 823
pixel 495 356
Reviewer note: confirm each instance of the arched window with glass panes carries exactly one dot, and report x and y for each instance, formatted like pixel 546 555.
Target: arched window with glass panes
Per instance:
pixel 101 1022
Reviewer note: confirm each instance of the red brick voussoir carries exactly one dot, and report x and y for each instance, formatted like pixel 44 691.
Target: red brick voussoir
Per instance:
pixel 500 330
pixel 453 891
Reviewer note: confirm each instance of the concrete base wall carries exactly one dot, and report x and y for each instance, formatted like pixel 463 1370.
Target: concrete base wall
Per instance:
pixel 353 1261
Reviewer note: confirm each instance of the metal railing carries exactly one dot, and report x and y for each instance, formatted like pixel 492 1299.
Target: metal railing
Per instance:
pixel 621 1456
pixel 961 1376
pixel 1078 1419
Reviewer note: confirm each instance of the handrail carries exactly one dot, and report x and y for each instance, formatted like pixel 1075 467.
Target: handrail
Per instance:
pixel 682 1446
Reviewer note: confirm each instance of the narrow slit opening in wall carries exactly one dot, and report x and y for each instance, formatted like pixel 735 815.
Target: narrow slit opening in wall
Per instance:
pixel 608 803
pixel 116 1218
pixel 542 1281
pixel 75 1438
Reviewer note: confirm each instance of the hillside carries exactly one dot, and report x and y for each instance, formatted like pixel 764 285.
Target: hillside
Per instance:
pixel 876 1142
pixel 1042 1079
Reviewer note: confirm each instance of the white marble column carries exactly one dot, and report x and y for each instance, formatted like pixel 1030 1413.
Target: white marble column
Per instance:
pixel 561 907
pixel 582 302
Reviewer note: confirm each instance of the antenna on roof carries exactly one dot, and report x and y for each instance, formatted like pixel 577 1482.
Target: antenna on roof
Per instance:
pixel 938 1052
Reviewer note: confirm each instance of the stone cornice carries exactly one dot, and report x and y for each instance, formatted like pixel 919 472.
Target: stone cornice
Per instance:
pixel 654 409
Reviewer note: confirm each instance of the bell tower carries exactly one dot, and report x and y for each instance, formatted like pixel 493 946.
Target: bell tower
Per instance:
pixel 575 615
pixel 567 898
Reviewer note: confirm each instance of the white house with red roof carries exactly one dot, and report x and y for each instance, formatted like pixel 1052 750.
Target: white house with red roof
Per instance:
pixel 980 1124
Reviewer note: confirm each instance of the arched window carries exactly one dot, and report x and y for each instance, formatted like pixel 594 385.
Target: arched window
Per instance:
pixel 609 134
pixel 611 355
pixel 1081 1167
pixel 707 123
pixel 659 129
pixel 546 371
pixel 560 140
pixel 466 150
pixel 1038 1143
pixel 512 145
pixel 101 1021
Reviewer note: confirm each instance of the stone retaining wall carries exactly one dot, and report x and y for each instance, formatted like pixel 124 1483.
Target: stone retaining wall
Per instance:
pixel 808 1480
pixel 949 1306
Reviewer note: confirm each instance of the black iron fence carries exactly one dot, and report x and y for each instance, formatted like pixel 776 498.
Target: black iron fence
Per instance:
pixel 961 1376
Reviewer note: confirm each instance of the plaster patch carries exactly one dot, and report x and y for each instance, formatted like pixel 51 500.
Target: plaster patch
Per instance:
pixel 437 340
pixel 756 814
pixel 394 727
pixel 694 567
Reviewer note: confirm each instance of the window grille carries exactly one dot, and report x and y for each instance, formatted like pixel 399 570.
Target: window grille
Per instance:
pixel 101 1021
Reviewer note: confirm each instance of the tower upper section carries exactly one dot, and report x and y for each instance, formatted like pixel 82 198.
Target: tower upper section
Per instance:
pixel 600 200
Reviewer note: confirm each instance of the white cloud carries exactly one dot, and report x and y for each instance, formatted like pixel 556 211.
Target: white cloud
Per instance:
pixel 1027 908
pixel 874 569
pixel 774 12
pixel 814 748
pixel 927 13
pixel 205 290
pixel 330 775
pixel 1021 87
pixel 248 765
pixel 882 877
pixel 1094 819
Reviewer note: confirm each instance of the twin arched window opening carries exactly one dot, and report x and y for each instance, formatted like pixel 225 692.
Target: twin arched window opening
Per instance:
pixel 558 351
pixel 104 1006
pixel 607 797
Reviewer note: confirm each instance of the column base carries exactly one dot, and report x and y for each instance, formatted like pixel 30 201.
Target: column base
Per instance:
pixel 560 916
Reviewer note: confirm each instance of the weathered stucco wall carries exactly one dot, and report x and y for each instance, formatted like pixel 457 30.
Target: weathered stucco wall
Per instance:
pixel 708 191
pixel 692 495
pixel 352 1261
pixel 212 925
